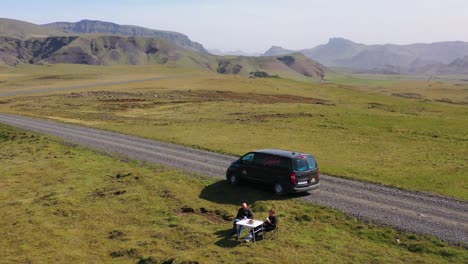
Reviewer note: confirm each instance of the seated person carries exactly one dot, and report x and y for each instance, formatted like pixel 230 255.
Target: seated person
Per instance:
pixel 270 222
pixel 243 213
pixel 268 225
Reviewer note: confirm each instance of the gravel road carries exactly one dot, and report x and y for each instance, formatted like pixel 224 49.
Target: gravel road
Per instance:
pixel 442 217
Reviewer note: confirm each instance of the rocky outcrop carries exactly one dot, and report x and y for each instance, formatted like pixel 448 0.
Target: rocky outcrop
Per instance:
pixel 99 50
pixel 94 26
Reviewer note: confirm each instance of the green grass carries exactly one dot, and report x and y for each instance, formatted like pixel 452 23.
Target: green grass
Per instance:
pixel 356 132
pixel 30 77
pixel 446 88
pixel 66 204
pixel 356 80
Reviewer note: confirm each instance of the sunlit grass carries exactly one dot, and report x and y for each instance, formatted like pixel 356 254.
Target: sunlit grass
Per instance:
pixel 31 77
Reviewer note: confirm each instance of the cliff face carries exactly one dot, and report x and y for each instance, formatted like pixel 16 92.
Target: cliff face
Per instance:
pixel 20 29
pixel 93 50
pixel 100 27
pixel 24 30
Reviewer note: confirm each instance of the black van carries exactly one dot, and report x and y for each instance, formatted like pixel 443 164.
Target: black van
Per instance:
pixel 286 171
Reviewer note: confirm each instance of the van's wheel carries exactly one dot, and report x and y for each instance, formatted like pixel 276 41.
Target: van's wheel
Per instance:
pixel 279 189
pixel 233 179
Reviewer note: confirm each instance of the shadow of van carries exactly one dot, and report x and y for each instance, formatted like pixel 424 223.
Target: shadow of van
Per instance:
pixel 222 192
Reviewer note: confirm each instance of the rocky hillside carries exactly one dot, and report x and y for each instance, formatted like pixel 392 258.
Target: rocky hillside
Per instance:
pixel 113 49
pixel 414 58
pixel 458 66
pixel 24 30
pixel 294 66
pixel 21 29
pixel 100 27
pixel 93 50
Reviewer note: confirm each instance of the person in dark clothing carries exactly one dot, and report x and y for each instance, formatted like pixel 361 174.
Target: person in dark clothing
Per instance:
pixel 269 225
pixel 270 222
pixel 243 213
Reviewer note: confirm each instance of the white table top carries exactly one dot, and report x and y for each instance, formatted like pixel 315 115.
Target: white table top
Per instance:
pixel 246 222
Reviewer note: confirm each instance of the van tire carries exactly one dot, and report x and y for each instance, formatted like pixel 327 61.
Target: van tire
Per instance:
pixel 278 188
pixel 233 179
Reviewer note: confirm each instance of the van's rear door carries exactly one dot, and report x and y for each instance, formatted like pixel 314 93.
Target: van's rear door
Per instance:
pixel 306 170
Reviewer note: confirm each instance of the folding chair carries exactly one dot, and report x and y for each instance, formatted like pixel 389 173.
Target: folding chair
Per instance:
pixel 273 234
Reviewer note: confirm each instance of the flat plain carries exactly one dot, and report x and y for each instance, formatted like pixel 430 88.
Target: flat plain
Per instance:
pixel 413 139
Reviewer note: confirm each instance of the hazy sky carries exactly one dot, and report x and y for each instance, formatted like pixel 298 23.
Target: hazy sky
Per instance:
pixel 255 25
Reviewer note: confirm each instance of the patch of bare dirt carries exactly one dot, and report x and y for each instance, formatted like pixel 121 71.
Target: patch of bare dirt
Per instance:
pixel 448 101
pixel 217 216
pixel 408 95
pixel 254 97
pixel 116 234
pixel 104 93
pixel 130 100
pixel 196 96
pixel 99 193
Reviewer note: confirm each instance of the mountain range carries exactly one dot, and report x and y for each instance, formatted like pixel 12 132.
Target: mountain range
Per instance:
pixel 440 57
pixel 21 29
pixel 100 27
pixel 103 43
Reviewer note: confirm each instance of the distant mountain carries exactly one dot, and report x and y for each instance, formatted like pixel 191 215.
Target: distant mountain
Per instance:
pixel 277 51
pixel 294 66
pixel 233 53
pixel 100 27
pixel 339 52
pixel 114 49
pixel 458 66
pixel 94 50
pixel 335 51
pixel 21 29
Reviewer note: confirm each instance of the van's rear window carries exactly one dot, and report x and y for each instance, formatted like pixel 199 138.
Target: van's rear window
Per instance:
pixel 305 163
pixel 311 163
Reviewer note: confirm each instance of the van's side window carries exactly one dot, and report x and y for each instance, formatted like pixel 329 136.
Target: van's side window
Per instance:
pixel 248 159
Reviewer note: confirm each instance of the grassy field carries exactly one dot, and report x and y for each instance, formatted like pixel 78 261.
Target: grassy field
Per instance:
pixel 65 204
pixel 451 89
pixel 384 134
pixel 32 77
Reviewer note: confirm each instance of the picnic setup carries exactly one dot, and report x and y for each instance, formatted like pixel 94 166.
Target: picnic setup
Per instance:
pixel 256 228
